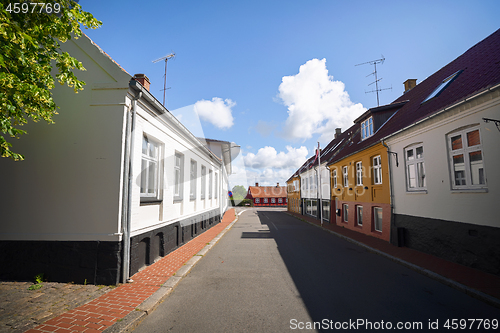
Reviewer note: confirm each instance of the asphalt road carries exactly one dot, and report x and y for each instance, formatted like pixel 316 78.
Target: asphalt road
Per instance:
pixel 274 273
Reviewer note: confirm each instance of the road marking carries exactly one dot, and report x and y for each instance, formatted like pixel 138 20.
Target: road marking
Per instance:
pixel 242 212
pixel 274 226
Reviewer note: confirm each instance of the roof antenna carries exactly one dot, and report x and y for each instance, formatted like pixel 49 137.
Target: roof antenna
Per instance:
pixel 171 55
pixel 374 63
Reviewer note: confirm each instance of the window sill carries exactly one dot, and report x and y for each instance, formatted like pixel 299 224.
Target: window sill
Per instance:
pixel 148 202
pixel 470 190
pixel 416 192
pixel 176 200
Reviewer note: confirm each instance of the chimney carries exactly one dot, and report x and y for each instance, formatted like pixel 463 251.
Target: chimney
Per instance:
pixel 338 131
pixel 256 184
pixel 277 184
pixel 142 79
pixel 410 84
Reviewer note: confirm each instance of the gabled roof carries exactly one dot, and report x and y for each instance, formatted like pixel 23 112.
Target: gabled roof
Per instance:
pixel 267 191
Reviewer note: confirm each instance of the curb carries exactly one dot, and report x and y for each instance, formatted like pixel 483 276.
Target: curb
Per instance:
pixel 134 318
pixel 490 300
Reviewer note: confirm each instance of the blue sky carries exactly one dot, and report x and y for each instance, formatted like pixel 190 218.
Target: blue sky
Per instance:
pixel 276 77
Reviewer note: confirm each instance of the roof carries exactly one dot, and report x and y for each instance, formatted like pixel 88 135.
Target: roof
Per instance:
pixel 267 191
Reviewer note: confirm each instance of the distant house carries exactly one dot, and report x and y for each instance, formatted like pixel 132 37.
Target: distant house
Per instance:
pixel 116 183
pixel 293 194
pixel 267 195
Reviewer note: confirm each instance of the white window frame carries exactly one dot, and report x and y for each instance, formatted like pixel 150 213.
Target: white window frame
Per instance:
pixel 150 157
pixel 345 176
pixel 416 165
pixel 465 151
pixel 265 200
pixel 280 200
pixel 273 200
pixel 257 200
pixel 377 170
pixel 203 182
pixel 367 128
pixel 178 176
pixel 192 179
pixel 376 221
pixel 359 213
pixel 335 177
pixel 359 173
pixel 345 212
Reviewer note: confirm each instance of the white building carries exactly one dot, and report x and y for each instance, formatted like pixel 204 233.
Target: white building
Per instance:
pixel 116 183
pixel 445 187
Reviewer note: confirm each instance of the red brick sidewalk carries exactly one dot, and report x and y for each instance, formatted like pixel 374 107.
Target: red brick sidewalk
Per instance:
pixel 102 312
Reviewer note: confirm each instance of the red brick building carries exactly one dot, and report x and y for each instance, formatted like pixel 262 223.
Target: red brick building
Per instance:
pixel 267 195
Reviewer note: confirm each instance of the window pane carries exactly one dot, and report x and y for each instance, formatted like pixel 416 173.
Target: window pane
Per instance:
pixel 409 155
pixel 476 167
pixel 412 179
pixel 359 213
pixel 144 175
pixel 459 169
pixel 420 152
pixel 377 218
pixel 421 174
pixel 152 149
pixel 370 129
pixel 177 181
pixel 152 178
pixel 346 213
pixel 473 138
pixel 456 142
pixel 144 145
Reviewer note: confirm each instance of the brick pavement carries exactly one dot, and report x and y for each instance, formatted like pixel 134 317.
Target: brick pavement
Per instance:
pixel 104 311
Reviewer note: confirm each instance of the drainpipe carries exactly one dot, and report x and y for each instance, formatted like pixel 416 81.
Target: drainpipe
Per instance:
pixel 391 193
pixel 330 193
pixel 127 189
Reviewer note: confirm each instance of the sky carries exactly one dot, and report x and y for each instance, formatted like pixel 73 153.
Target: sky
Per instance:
pixel 277 77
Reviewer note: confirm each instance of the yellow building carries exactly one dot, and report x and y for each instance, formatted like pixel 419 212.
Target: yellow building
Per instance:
pixel 293 194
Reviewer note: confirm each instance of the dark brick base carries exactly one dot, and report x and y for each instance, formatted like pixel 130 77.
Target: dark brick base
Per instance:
pixel 147 247
pixel 81 262
pixel 471 245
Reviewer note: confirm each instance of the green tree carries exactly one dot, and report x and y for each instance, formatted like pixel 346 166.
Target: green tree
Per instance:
pixel 29 48
pixel 239 192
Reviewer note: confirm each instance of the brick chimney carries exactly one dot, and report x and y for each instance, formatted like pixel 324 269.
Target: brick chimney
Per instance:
pixel 256 184
pixel 142 79
pixel 410 84
pixel 338 131
pixel 277 184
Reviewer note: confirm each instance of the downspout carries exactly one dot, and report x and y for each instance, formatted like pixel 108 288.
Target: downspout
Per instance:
pixel 391 193
pixel 330 193
pixel 127 192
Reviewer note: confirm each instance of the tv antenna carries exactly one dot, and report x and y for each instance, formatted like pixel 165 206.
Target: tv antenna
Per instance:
pixel 374 63
pixel 169 56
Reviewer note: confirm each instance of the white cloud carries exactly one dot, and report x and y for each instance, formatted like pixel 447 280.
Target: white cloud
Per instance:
pixel 267 157
pixel 217 111
pixel 316 103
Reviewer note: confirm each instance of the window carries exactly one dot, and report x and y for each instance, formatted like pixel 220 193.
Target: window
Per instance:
pixel 442 86
pixel 326 210
pixel 359 174
pixel 203 181
pixel 280 200
pixel 179 175
pixel 466 159
pixel 345 212
pixel 216 193
pixel 150 168
pixel 345 174
pixel 210 183
pixel 257 200
pixel 367 128
pixel 295 185
pixel 377 218
pixel 377 170
pixel 192 180
pixel 415 168
pixel 311 183
pixel 314 208
pixel 359 215
pixel 273 200
pixel 334 178
pixel 265 200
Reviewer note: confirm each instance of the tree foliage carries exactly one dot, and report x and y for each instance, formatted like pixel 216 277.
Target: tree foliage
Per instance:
pixel 29 48
pixel 239 192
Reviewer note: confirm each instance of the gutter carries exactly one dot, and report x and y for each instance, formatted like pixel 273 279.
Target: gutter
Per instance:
pixel 127 188
pixel 391 192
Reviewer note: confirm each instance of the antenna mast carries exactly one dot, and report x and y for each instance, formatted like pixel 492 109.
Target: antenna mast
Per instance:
pixel 374 63
pixel 171 55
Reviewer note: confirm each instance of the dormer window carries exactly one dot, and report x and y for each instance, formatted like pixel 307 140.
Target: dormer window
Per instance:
pixel 367 128
pixel 442 86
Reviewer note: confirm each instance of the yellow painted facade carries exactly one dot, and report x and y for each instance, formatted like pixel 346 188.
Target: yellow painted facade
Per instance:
pixel 293 194
pixel 362 180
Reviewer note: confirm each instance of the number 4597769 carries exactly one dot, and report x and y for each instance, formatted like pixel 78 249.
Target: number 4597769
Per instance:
pixel 33 7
